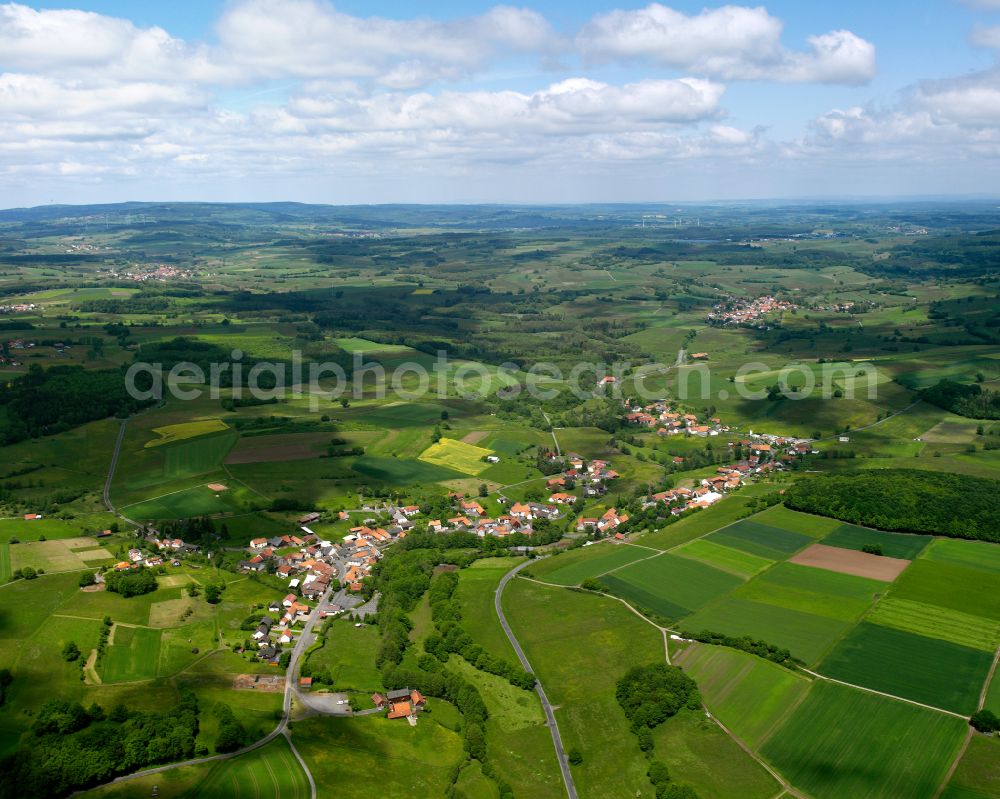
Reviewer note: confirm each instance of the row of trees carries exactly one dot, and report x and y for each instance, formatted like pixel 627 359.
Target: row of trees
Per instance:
pixel 450 636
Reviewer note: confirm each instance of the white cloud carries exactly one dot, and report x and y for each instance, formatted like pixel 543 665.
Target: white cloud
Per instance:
pixel 731 42
pixel 986 36
pixel 570 106
pixel 311 39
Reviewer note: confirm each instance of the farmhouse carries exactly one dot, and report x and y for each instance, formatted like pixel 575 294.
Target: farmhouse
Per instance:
pixel 403 702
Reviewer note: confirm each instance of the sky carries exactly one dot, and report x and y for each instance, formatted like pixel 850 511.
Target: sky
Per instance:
pixel 454 102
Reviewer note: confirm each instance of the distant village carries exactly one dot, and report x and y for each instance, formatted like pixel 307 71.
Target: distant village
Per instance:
pixel 741 312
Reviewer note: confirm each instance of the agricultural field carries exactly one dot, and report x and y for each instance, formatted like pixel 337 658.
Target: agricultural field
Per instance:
pixel 572 568
pixel 751 696
pixel 452 454
pixel 842 742
pixel 668 585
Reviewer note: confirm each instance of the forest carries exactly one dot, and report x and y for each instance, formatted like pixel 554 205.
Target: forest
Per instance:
pixel 905 500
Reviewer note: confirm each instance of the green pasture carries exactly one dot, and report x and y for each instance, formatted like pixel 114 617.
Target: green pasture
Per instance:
pixel 742 564
pixel 974 554
pixel 134 655
pixel 750 695
pixel 817 591
pixel 934 621
pixel 403 472
pixel 338 750
pixel 759 539
pixel 960 588
pixel 928 670
pixel 579 644
pixel 978 772
pixel 573 567
pixel 841 742
pixel 475 593
pixel 348 653
pixel 806 635
pixel 669 585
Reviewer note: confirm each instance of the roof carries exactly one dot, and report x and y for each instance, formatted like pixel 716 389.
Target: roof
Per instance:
pixel 400 693
pixel 400 710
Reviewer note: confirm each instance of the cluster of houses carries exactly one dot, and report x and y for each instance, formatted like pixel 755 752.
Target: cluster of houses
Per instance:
pixel 270 636
pixel 593 476
pixel 746 312
pixel 606 524
pixel 403 703
pixel 471 517
pixel 767 453
pixel 667 421
pixel 312 565
pixel 21 307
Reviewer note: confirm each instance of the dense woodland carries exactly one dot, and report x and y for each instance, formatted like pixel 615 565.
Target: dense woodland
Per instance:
pixel 905 500
pixel 72 747
pixel 966 400
pixel 48 401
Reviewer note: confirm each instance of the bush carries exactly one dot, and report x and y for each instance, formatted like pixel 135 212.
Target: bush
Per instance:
pixel 872 549
pixel 87 578
pixel 575 756
pixel 71 651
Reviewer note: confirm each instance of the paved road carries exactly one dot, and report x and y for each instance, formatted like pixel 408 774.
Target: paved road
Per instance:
pixel 549 713
pixel 111 474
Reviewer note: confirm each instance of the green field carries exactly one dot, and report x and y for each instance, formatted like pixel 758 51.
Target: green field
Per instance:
pixel 759 539
pixel 457 455
pixel 750 695
pixel 348 653
pixel 927 670
pixel 937 622
pixel 476 588
pixel 197 501
pixel 971 591
pixel 728 559
pixel 572 568
pixel 134 655
pixel 806 635
pixel 894 545
pixel 173 433
pixel 810 590
pixel 198 456
pixel 978 772
pixel 841 742
pixel 342 751
pixel 699 754
pixel 669 586
pixel 401 471
pixel 975 554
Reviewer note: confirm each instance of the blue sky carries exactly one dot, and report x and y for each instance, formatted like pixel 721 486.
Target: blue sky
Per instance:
pixel 479 101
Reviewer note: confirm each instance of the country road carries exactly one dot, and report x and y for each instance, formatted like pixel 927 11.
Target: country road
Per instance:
pixel 549 712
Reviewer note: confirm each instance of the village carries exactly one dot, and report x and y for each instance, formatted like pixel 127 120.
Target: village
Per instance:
pixel 738 311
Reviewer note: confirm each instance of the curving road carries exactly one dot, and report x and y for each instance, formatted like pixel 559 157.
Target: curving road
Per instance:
pixel 549 712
